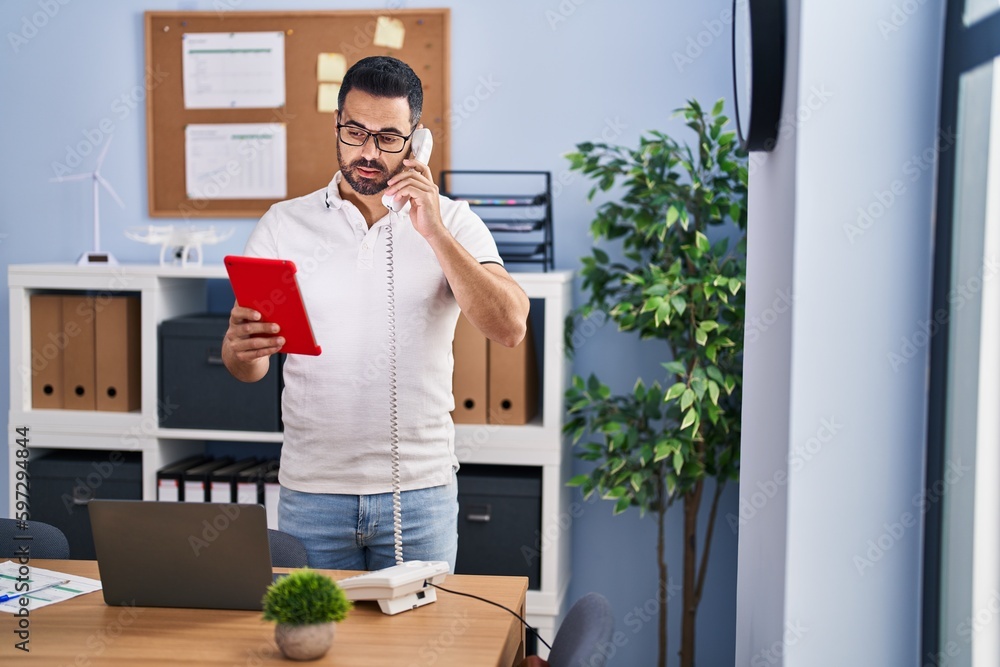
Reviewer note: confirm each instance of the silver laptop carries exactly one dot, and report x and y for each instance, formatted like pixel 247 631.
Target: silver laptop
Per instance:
pixel 167 554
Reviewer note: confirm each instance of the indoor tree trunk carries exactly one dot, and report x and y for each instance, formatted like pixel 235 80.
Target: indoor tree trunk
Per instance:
pixel 661 512
pixel 689 609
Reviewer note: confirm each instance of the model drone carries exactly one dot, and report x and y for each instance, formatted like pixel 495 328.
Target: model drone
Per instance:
pixel 178 245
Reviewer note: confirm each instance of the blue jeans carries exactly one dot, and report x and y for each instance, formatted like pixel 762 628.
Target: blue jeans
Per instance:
pixel 345 532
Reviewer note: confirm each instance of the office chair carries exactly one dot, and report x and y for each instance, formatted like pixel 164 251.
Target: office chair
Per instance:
pixel 46 541
pixel 581 637
pixel 286 550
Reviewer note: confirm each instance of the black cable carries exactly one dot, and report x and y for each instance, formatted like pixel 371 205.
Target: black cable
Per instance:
pixel 495 604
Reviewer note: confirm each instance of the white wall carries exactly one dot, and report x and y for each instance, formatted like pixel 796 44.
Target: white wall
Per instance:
pixel 763 505
pixel 845 560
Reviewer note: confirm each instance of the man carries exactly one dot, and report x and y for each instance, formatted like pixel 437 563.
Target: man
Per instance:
pixel 436 257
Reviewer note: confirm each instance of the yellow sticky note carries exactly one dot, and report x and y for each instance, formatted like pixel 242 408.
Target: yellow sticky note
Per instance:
pixel 389 32
pixel 326 100
pixel 331 67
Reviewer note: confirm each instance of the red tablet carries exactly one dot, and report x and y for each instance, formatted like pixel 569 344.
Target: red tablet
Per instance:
pixel 270 287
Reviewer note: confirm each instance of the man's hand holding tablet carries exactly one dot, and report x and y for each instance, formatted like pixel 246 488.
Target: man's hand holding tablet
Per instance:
pixel 269 316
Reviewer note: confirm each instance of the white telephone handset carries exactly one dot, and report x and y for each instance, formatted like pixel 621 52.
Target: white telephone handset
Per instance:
pixel 422 144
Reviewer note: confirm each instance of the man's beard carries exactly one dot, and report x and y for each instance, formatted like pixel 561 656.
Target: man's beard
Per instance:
pixel 365 186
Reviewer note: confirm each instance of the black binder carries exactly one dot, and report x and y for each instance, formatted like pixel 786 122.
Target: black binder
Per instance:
pixel 170 478
pixel 196 486
pixel 250 484
pixel 222 481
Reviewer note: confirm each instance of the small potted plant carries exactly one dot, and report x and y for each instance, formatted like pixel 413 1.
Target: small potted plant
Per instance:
pixel 305 605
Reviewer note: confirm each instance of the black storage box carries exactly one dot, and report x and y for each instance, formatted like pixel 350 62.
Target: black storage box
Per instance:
pixel 499 521
pixel 196 389
pixel 63 482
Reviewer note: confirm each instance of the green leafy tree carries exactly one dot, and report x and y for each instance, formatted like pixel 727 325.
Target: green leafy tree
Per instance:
pixel 659 443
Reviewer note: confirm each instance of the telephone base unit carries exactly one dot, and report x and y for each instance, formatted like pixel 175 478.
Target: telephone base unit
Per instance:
pixel 397 588
pixel 408 602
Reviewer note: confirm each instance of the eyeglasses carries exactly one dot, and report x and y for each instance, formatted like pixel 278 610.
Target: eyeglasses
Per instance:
pixel 387 142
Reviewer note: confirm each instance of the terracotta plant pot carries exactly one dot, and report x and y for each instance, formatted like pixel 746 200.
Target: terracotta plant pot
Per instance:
pixel 304 642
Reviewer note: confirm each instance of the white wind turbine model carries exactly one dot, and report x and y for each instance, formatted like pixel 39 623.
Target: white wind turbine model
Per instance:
pixel 95 256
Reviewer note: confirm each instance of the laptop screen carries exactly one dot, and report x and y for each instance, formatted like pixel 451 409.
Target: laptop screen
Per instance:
pixel 166 554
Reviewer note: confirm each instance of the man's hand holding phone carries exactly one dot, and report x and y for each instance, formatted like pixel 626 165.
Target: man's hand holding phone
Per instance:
pixel 249 343
pixel 416 185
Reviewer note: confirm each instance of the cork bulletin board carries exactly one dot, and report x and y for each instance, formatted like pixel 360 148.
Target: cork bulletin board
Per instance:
pixel 311 134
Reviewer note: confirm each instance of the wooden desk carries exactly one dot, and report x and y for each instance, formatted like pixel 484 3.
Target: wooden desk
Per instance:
pixel 455 630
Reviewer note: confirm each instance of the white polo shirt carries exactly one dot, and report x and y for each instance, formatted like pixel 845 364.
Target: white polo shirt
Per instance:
pixel 335 407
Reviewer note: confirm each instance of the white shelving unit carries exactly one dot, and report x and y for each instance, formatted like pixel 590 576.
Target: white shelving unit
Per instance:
pixel 167 292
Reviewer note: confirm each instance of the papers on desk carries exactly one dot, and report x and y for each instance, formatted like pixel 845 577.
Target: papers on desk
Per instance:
pixel 37 577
